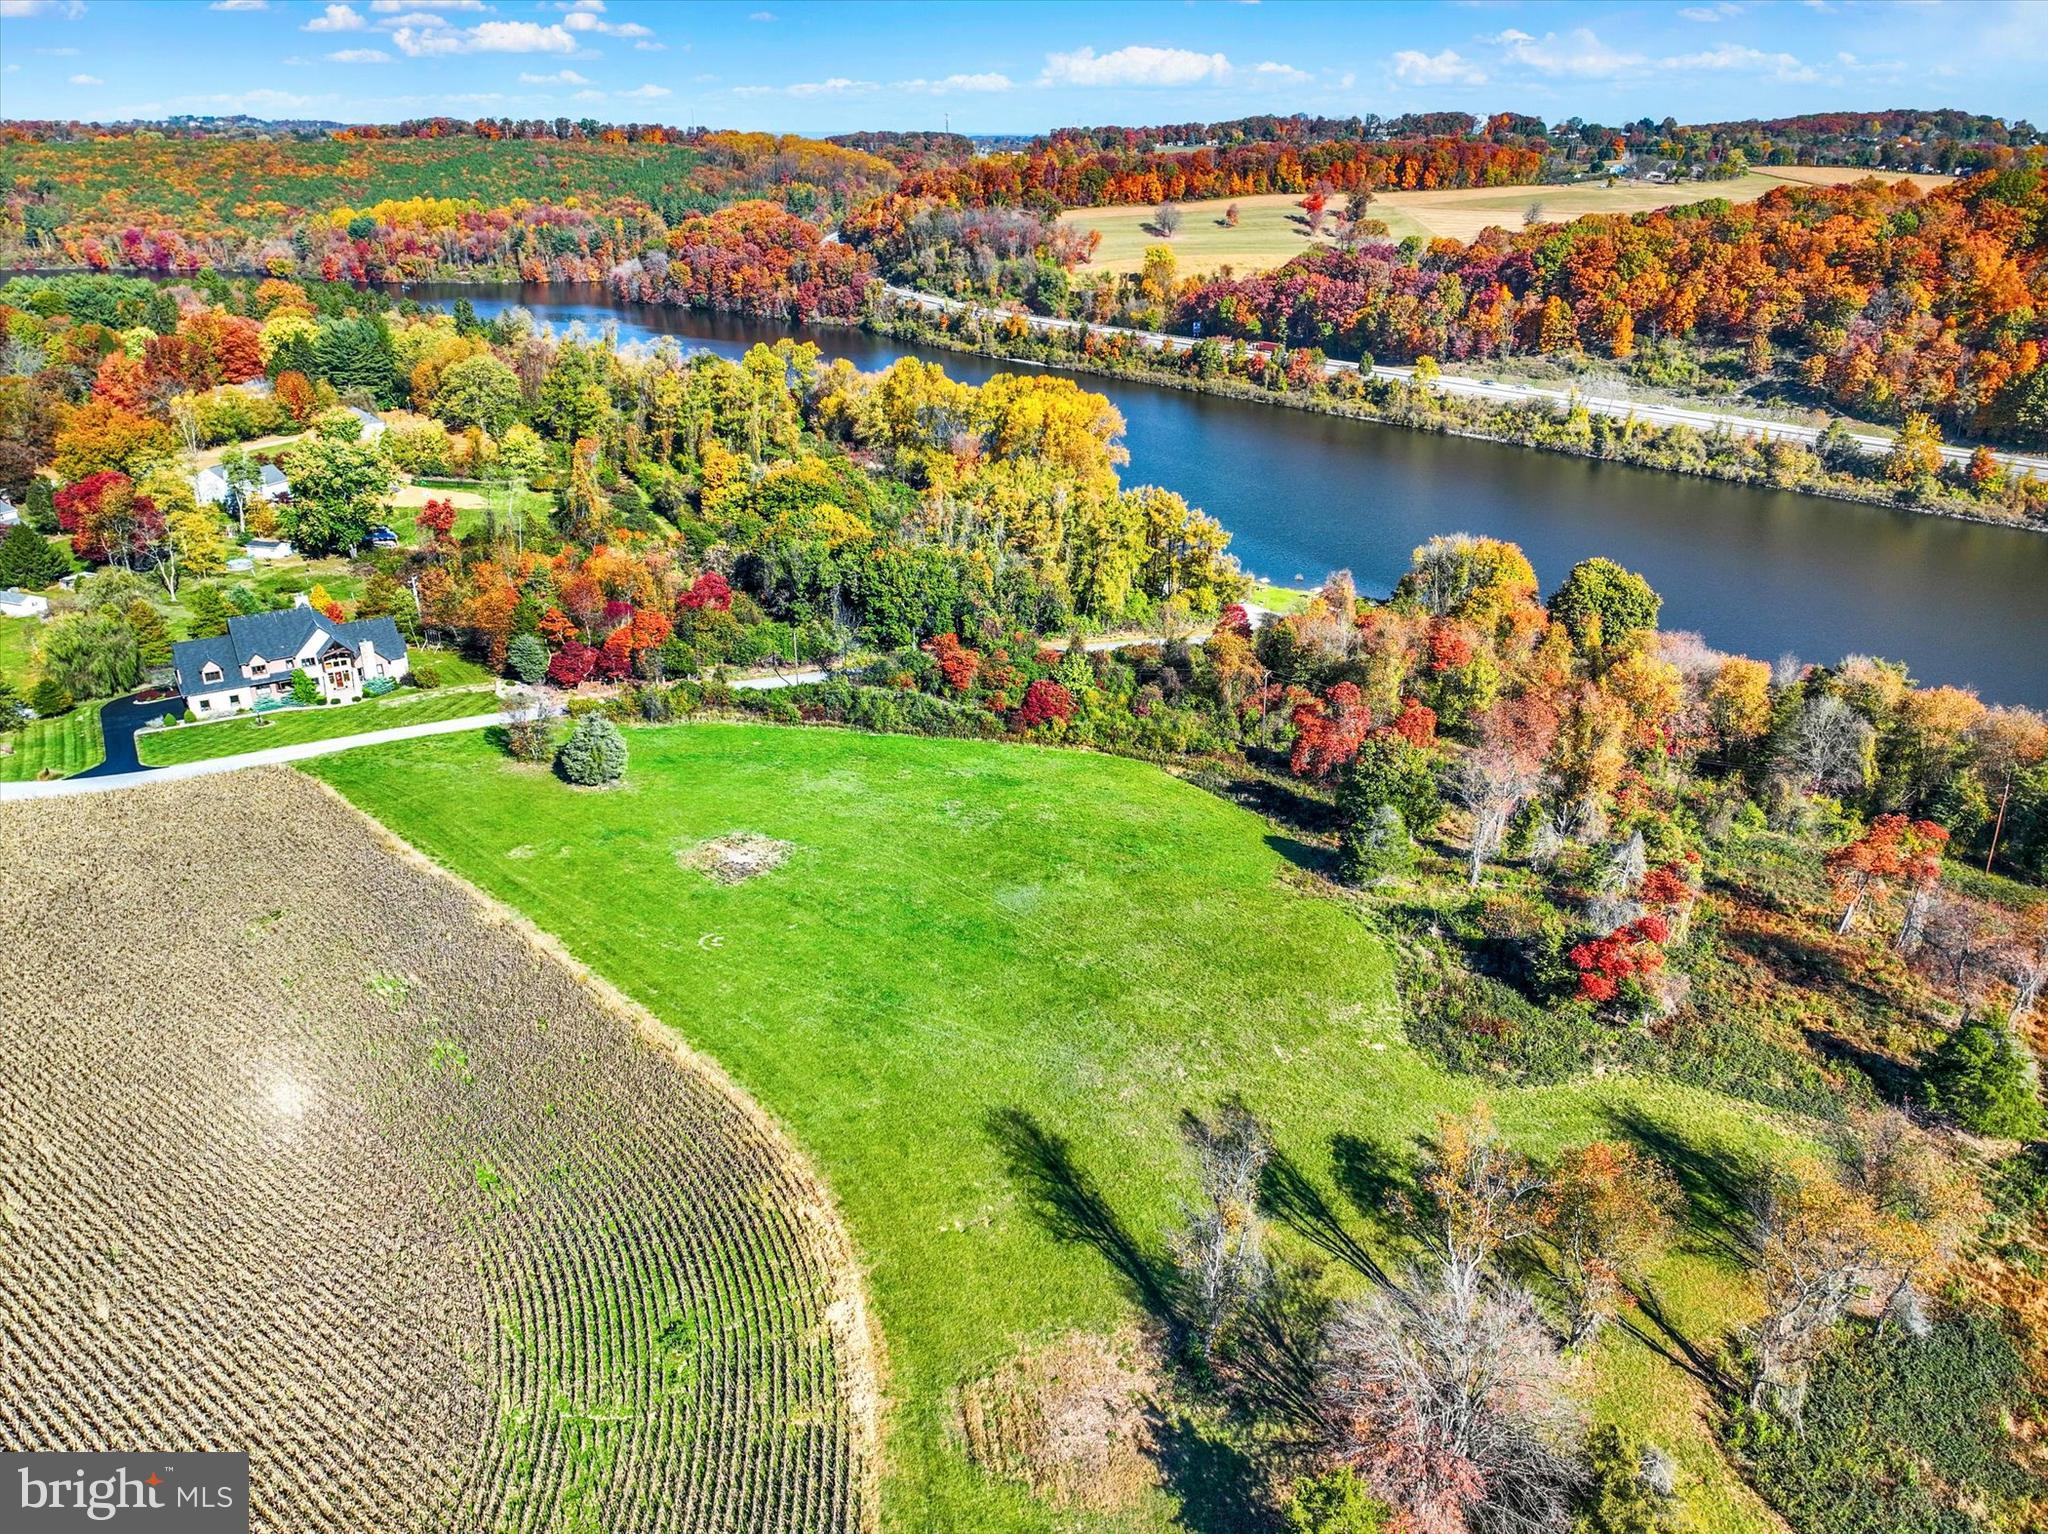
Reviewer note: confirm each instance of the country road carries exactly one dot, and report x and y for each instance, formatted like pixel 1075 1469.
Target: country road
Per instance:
pixel 1480 388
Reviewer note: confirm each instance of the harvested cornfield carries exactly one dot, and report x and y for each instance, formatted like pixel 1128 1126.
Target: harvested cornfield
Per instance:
pixel 305 1151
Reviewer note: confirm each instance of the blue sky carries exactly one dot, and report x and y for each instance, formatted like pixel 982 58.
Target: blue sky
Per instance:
pixel 1002 67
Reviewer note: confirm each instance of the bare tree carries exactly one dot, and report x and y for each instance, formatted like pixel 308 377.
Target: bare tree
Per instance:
pixel 1827 748
pixel 1454 1403
pixel 1219 1247
pixel 1499 774
pixel 1166 219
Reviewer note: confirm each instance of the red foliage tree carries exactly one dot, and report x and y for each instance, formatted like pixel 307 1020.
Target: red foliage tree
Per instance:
pixel 438 518
pixel 1416 724
pixel 709 592
pixel 1045 702
pixel 1893 850
pixel 571 664
pixel 1328 732
pixel 1633 952
pixel 958 664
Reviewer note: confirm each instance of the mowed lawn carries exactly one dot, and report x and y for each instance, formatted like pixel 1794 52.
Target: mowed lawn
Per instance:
pixel 965 931
pixel 1272 229
pixel 67 744
pixel 291 727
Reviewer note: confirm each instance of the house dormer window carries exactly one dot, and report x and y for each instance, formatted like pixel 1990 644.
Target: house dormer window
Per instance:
pixel 258 666
pixel 209 672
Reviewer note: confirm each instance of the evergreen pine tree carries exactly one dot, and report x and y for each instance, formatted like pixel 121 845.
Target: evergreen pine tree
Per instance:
pixel 1982 1078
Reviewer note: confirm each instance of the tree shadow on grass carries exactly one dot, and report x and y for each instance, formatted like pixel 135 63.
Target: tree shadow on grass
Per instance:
pixel 1220 1488
pixel 1067 1202
pixel 1304 855
pixel 1656 1331
pixel 1717 1185
pixel 1895 1082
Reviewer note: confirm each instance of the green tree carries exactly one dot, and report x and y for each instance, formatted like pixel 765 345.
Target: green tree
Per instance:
pixel 210 611
pixel 478 391
pixel 1982 1078
pixel 1335 1502
pixel 49 698
pixel 1600 604
pixel 356 356
pixel 572 403
pixel 594 754
pixel 338 487
pixel 304 689
pixel 527 658
pixel 29 560
pixel 39 510
pixel 91 655
pixel 152 634
pixel 1630 1487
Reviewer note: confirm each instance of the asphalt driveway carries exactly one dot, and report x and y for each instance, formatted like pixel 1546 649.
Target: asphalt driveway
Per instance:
pixel 119 720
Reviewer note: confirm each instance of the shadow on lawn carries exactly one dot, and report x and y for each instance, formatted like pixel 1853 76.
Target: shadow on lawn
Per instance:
pixel 1068 1203
pixel 1717 1186
pixel 1304 855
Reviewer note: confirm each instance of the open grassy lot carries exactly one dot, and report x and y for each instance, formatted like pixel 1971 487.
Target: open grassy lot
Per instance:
pixel 62 746
pixel 18 648
pixel 1272 229
pixel 443 1236
pixel 985 972
pixel 291 727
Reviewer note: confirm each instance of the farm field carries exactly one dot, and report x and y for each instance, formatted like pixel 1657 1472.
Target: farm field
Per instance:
pixel 991 977
pixel 291 727
pixel 1273 230
pixel 67 744
pixel 453 1241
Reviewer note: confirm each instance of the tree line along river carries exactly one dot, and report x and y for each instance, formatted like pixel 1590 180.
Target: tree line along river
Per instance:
pixel 1762 572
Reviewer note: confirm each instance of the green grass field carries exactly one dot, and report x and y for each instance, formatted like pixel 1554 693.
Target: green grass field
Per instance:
pixel 1272 229
pixel 18 649
pixel 291 727
pixel 966 930
pixel 65 745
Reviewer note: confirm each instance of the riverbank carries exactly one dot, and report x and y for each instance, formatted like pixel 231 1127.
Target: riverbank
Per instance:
pixel 1760 460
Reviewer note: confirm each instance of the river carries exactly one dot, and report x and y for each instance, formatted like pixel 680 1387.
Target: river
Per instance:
pixel 1762 572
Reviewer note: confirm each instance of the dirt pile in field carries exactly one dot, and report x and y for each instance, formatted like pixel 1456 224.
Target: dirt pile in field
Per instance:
pixel 304 1150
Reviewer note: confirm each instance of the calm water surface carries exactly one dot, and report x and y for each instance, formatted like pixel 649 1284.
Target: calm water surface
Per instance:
pixel 1763 572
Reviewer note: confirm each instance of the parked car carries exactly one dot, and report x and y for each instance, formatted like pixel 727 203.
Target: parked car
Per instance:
pixel 155 694
pixel 382 537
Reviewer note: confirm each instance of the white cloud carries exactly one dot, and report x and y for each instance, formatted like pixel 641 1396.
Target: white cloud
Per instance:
pixel 87 80
pixel 239 5
pixel 1137 65
pixel 484 37
pixel 1446 68
pixel 560 77
pixel 388 7
pixel 425 19
pixel 762 16
pixel 983 82
pixel 1711 13
pixel 336 18
pixel 1285 74
pixel 1736 57
pixel 1578 55
pixel 838 85
pixel 588 96
pixel 646 93
pixel 644 46
pixel 360 56
pixel 16 10
pixel 588 21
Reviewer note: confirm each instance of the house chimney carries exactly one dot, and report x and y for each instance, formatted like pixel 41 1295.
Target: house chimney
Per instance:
pixel 300 599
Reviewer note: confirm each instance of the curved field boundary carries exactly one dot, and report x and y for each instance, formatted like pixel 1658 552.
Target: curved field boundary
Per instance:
pixel 304 1150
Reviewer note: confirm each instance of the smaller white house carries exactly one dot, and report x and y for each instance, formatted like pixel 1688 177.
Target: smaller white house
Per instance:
pixel 373 425
pixel 210 485
pixel 8 515
pixel 270 548
pixel 16 603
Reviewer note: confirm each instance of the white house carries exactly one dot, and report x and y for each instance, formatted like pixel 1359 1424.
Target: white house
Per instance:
pixel 210 485
pixel 16 603
pixel 254 660
pixel 8 515
pixel 270 548
pixel 373 425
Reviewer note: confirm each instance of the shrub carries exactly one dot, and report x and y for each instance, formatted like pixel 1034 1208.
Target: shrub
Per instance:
pixel 425 678
pixel 1379 849
pixel 1335 1502
pixel 376 687
pixel 594 754
pixel 1629 1489
pixel 1981 1078
pixel 528 738
pixel 304 688
pixel 49 698
pixel 1388 770
pixel 527 658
